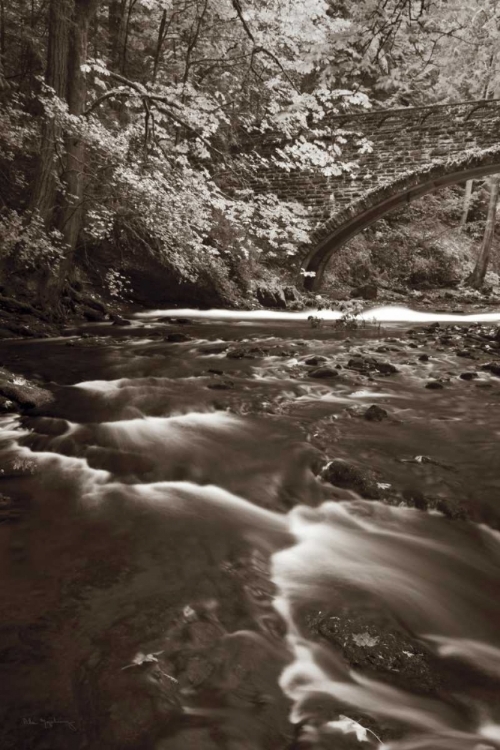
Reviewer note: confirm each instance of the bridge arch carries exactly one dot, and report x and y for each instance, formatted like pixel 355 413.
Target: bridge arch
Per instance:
pixel 361 213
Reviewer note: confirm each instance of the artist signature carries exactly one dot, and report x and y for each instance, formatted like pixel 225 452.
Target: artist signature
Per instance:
pixel 48 723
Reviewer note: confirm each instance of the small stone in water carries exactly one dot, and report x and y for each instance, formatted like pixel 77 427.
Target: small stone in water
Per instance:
pixel 177 338
pixel 324 372
pixel 468 375
pixel 375 413
pixel 434 385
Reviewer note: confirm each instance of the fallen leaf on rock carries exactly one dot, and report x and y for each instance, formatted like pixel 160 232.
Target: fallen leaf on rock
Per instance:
pixel 365 639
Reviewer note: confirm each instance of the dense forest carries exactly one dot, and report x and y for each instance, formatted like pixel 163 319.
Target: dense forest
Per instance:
pixel 128 132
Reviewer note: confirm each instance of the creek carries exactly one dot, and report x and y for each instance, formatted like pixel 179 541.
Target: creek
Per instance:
pixel 235 530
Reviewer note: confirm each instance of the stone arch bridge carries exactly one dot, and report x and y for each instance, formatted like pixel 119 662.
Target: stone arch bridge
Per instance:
pixel 413 151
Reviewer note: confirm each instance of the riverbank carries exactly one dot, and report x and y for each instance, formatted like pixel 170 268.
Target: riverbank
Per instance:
pixel 21 319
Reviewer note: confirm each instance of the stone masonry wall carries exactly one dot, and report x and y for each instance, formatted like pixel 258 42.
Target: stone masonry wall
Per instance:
pixel 403 141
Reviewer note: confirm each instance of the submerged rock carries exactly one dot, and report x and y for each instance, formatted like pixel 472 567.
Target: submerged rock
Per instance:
pixel 375 413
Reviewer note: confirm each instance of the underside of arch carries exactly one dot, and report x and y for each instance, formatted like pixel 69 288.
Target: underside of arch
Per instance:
pixel 360 214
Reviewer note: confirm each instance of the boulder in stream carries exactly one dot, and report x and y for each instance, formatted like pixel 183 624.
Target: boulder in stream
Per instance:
pixel 345 474
pixel 26 395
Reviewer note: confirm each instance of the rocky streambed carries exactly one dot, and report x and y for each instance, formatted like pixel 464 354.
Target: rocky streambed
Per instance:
pixel 251 534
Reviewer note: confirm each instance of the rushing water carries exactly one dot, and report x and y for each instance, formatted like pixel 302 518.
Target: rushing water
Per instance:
pixel 180 575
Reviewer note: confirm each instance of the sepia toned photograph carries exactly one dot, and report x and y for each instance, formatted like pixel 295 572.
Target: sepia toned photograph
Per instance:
pixel 249 375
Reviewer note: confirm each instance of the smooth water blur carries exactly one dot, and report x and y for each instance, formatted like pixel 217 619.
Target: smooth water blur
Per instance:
pixel 171 474
pixel 384 314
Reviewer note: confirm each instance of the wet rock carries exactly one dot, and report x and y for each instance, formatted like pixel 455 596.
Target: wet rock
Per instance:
pixel 315 361
pixel 492 367
pixel 7 405
pixel 468 375
pixel 14 466
pixel 375 413
pixel 362 364
pixel 271 297
pixel 365 291
pixel 93 315
pixel 386 368
pixel 373 641
pixel 291 294
pixel 198 670
pixel 424 358
pixel 254 352
pixel 466 353
pixel 415 498
pixel 119 321
pixel 434 385
pixel 26 395
pixel 177 338
pixel 323 373
pixel 181 321
pixel 452 508
pixel 279 351
pixel 349 476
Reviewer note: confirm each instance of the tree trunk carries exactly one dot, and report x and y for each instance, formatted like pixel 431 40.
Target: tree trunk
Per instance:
pixel 123 58
pixel 69 22
pixel 3 82
pixel 476 278
pixel 162 31
pixel 116 32
pixel 74 177
pixel 43 197
pixel 467 198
